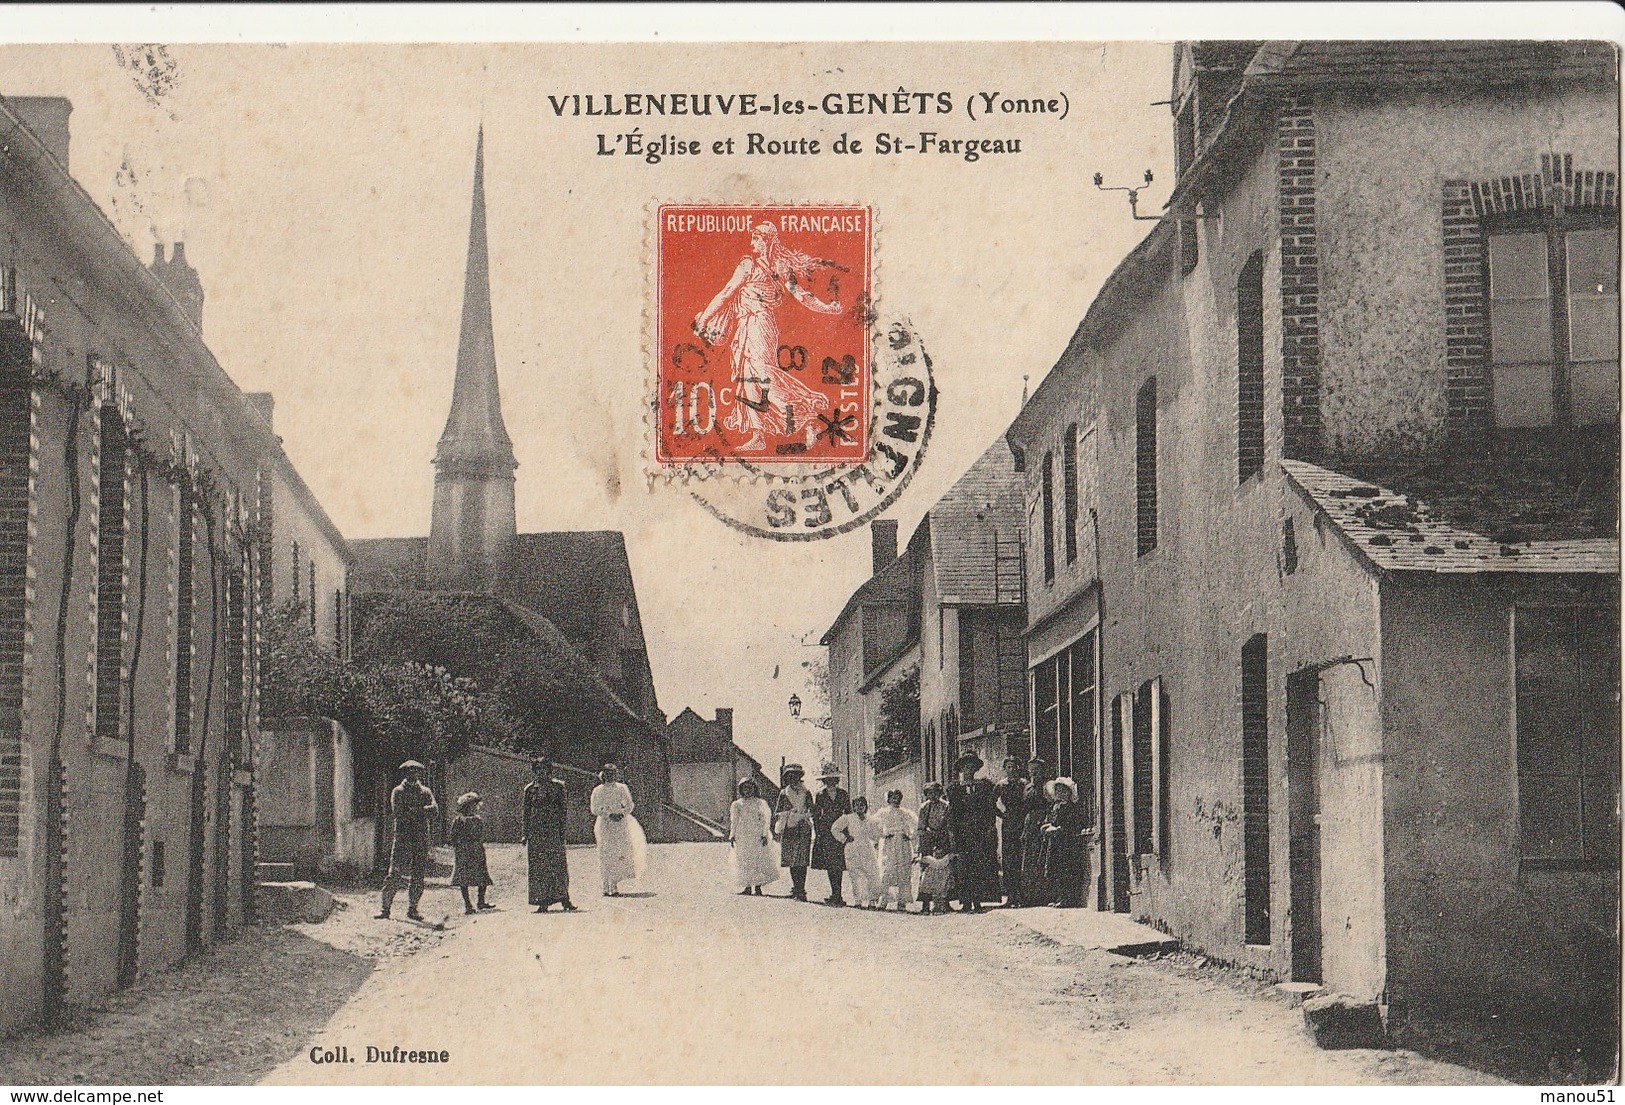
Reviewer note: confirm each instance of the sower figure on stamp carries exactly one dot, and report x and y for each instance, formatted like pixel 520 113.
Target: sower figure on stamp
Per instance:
pixel 410 804
pixel 829 853
pixel 546 806
pixel 1012 806
pixel 792 827
pixel 768 400
pixel 973 825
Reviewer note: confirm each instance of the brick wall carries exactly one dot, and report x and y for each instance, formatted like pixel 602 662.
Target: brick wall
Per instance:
pixel 1464 206
pixel 1300 282
pixel 15 418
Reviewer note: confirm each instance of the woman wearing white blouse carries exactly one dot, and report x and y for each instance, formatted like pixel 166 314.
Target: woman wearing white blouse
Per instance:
pixel 750 831
pixel 622 850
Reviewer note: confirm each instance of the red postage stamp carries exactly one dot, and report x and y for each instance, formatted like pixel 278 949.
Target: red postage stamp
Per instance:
pixel 762 340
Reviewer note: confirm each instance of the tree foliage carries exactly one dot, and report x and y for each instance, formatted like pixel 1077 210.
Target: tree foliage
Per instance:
pixel 897 731
pixel 396 709
pixel 535 691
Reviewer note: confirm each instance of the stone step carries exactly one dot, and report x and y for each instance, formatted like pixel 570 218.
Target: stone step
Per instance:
pixel 293 901
pixel 273 872
pixel 1297 993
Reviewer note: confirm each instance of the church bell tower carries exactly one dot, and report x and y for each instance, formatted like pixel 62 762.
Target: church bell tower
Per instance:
pixel 472 525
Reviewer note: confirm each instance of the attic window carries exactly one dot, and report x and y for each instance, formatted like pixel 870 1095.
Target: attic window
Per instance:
pixel 1554 318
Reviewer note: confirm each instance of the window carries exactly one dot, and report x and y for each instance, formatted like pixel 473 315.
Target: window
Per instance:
pixel 338 622
pixel 1150 769
pixel 1047 480
pixel 1069 491
pixel 1145 468
pixel 1250 368
pixel 295 576
pixel 1184 156
pixel 1554 318
pixel 1255 788
pixel 1080 758
pixel 112 504
pixel 1064 703
pixel 236 657
pixel 1567 664
pixel 312 593
pixel 185 612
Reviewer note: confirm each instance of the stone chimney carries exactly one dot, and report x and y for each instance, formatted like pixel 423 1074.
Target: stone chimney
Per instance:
pixel 883 542
pixel 725 718
pixel 263 403
pixel 181 279
pixel 47 117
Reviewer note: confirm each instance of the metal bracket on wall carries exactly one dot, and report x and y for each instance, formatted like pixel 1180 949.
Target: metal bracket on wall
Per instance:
pixel 1134 203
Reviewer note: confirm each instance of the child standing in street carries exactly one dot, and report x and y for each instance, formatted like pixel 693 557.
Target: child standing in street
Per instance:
pixel 859 832
pixel 936 880
pixel 468 850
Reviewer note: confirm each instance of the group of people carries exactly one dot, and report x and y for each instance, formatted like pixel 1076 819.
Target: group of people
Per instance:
pixel 1023 842
pixel 622 848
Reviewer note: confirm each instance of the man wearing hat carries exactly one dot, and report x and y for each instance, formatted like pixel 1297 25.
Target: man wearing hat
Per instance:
pixel 828 853
pixel 792 827
pixel 973 824
pixel 411 803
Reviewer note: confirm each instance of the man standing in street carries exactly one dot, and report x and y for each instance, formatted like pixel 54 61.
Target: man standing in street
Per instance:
pixel 1012 807
pixel 828 853
pixel 411 803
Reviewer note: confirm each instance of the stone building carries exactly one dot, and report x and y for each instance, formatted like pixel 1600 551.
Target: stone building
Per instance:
pixel 1324 526
pixel 707 766
pixel 941 621
pixel 132 482
pixel 578 584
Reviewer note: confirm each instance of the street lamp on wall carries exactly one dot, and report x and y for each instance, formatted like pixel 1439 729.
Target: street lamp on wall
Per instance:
pixel 795 712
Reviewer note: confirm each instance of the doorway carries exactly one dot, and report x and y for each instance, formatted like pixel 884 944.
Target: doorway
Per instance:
pixel 1116 813
pixel 1303 804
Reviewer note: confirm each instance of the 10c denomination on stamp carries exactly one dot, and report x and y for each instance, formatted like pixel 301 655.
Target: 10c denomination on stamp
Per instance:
pixel 762 334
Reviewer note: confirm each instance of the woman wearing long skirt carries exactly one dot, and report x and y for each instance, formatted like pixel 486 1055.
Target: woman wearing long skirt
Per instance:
pixel 622 850
pixel 793 828
pixel 750 831
pixel 897 827
pixel 1035 889
pixel 1069 829
pixel 545 804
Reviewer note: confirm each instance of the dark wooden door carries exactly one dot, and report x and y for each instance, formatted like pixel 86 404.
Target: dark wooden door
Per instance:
pixel 1303 805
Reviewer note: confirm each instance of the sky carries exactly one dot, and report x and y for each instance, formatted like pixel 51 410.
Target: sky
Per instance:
pixel 323 195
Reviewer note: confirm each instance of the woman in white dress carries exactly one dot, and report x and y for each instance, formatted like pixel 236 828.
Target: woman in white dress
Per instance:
pixel 861 834
pixel 622 850
pixel 750 831
pixel 897 827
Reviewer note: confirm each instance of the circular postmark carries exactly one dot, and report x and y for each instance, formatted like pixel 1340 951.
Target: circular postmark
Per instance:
pixel 785 503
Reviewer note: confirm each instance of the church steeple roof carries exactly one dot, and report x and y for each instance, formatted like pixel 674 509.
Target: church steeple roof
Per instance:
pixel 475 440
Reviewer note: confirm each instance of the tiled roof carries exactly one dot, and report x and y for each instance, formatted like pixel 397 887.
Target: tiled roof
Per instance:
pixel 1399 533
pixel 985 500
pixel 1441 64
pixel 574 579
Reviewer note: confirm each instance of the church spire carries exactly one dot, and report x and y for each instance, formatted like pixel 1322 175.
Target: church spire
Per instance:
pixel 475 437
pixel 473 517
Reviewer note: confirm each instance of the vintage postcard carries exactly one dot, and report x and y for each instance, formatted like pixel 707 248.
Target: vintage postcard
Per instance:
pixel 1088 558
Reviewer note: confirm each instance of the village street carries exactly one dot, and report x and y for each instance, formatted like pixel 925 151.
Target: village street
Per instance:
pixel 682 981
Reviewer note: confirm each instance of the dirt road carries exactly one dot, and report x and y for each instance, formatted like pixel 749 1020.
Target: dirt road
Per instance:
pixel 685 982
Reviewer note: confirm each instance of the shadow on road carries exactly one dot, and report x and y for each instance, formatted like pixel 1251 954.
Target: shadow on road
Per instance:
pixel 223 1018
